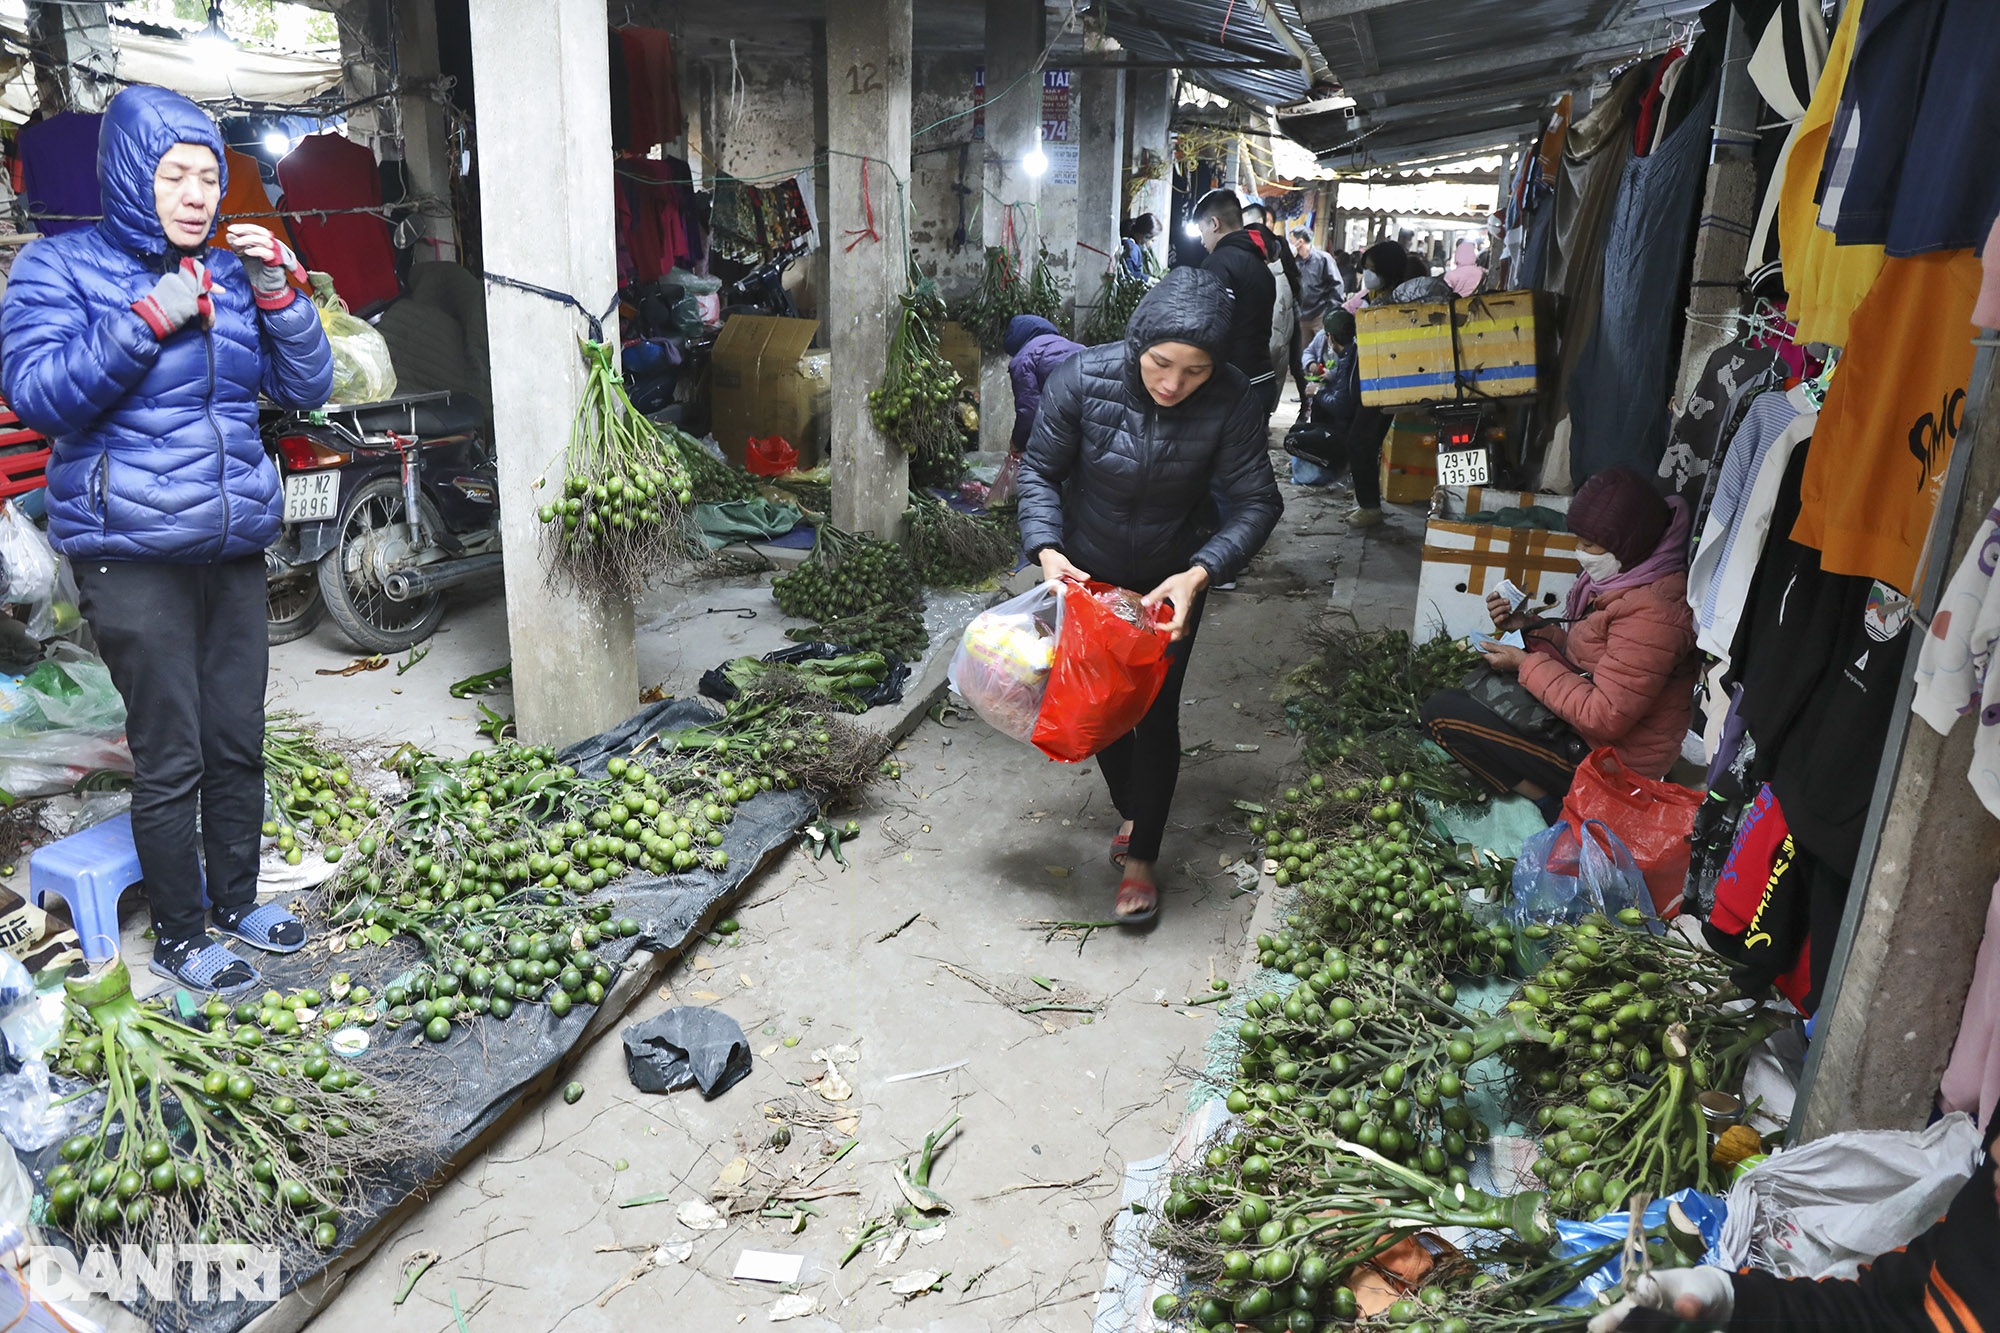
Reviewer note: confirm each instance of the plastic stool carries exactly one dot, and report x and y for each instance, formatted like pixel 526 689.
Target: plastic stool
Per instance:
pixel 89 871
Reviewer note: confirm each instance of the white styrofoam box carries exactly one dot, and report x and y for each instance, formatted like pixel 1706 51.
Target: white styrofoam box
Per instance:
pixel 1457 501
pixel 1462 561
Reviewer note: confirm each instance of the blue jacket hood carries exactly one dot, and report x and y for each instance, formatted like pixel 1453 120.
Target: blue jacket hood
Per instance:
pixel 140 125
pixel 1023 329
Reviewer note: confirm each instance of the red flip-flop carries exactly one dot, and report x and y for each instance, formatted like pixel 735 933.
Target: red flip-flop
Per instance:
pixel 1136 918
pixel 1121 846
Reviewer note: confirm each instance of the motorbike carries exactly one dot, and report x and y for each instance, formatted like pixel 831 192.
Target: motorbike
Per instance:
pixel 387 505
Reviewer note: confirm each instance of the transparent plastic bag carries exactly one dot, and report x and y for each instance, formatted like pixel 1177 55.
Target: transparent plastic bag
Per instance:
pixel 1001 666
pixel 28 564
pixel 62 723
pixel 1564 875
pixel 362 370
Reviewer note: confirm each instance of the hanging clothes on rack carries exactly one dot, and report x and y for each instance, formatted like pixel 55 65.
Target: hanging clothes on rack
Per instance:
pixel 244 199
pixel 1739 519
pixel 1618 392
pixel 1788 52
pixel 652 86
pixel 333 172
pixel 1891 418
pixel 1958 667
pixel 1824 280
pixel 1971 1081
pixel 1701 433
pixel 1919 129
pixel 59 171
pixel 655 198
pixel 1786 65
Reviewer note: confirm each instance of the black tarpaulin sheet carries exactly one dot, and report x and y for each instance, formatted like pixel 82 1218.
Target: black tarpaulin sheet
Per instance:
pixel 481 1070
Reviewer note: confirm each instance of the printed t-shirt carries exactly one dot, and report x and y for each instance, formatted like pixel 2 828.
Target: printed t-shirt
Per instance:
pixel 1891 416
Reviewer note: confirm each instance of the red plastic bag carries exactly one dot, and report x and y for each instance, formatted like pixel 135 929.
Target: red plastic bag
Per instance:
pixel 1109 666
pixel 1650 817
pixel 772 456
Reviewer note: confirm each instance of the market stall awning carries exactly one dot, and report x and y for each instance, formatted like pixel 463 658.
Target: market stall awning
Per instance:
pixel 1232 49
pixel 1420 78
pixel 252 74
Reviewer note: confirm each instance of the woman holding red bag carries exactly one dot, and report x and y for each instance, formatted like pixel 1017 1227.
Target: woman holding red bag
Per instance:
pixel 1131 440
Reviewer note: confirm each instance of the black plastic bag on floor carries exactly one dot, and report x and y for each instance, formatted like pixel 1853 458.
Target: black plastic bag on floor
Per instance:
pixel 686 1045
pixel 715 685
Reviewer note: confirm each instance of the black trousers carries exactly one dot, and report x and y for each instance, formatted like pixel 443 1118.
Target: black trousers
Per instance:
pixel 1364 456
pixel 1500 756
pixel 1142 767
pixel 186 646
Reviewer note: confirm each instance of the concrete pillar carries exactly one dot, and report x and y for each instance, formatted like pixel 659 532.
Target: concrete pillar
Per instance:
pixel 425 143
pixel 821 262
pixel 1728 211
pixel 74 59
pixel 1100 120
pixel 1900 971
pixel 366 37
pixel 1016 32
pixel 1151 95
pixel 543 117
pixel 868 115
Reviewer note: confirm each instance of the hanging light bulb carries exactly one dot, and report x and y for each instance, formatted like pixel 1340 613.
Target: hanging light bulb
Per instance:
pixel 1036 163
pixel 213 43
pixel 277 143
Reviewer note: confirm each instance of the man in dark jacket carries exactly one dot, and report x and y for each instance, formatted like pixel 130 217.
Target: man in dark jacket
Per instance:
pixel 140 353
pixel 1034 348
pixel 1235 257
pixel 1257 221
pixel 1131 441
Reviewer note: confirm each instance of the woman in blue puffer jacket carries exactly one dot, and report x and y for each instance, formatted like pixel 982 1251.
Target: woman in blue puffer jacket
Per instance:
pixel 140 353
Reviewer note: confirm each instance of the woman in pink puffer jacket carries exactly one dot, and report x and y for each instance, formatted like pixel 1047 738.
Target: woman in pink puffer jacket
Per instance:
pixel 1619 668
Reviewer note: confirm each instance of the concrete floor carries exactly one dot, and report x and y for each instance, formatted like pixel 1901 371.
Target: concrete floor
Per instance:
pixel 980 840
pixel 905 962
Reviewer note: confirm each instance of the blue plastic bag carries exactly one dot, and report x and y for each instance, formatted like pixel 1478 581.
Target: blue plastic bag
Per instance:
pixel 1706 1211
pixel 1563 877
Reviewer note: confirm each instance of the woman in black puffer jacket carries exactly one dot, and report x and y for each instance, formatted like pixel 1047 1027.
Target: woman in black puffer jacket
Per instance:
pixel 1131 439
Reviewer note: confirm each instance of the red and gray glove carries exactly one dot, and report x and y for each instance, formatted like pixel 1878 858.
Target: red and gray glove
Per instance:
pixel 178 298
pixel 267 273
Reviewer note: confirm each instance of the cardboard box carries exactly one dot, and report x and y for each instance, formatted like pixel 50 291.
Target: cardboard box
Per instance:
pixel 1462 561
pixel 1447 351
pixel 1409 462
pixel 765 383
pixel 962 350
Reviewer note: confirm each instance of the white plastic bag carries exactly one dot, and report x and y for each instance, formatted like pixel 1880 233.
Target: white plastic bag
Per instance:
pixel 1824 1210
pixel 1001 665
pixel 27 561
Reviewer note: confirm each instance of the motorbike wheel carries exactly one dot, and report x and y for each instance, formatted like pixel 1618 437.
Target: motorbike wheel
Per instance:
pixel 374 542
pixel 293 607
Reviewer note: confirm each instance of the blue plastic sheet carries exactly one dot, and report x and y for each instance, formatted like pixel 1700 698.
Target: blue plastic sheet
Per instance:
pixel 1706 1211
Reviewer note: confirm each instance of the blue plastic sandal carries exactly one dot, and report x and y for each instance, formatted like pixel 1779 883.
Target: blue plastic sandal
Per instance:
pixel 202 965
pixel 263 927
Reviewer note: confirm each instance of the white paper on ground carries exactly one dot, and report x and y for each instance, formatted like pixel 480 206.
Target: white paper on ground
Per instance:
pixel 768 1266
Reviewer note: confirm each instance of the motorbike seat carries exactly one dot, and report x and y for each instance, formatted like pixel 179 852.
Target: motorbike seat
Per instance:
pixel 432 418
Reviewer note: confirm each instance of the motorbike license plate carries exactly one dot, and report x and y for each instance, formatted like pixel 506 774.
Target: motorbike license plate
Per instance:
pixel 1464 467
pixel 311 497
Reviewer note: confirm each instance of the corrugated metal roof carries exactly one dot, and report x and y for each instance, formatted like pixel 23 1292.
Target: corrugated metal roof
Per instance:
pixel 1208 33
pixel 1445 75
